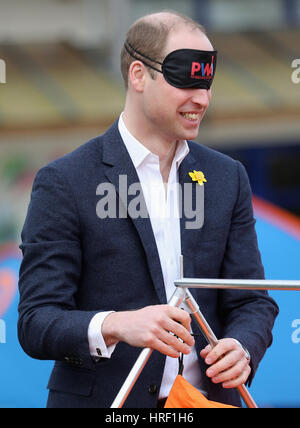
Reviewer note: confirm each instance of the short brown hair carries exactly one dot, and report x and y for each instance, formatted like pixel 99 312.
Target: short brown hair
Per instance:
pixel 149 36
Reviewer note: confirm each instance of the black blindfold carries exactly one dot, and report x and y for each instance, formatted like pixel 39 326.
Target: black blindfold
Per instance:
pixel 183 68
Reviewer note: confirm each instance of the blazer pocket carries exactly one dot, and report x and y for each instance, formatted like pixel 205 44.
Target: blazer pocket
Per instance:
pixel 72 381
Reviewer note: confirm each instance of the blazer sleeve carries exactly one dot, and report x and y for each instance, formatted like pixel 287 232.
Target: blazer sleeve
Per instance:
pixel 50 325
pixel 248 316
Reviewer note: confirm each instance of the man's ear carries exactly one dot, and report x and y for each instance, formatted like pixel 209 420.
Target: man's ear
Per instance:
pixel 137 75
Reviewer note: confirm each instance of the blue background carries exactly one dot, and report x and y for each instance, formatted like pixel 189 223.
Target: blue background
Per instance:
pixel 277 383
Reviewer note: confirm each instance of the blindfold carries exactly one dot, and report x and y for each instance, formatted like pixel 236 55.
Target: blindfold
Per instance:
pixel 183 68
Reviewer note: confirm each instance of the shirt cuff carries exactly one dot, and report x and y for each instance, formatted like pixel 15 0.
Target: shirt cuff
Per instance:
pixel 97 345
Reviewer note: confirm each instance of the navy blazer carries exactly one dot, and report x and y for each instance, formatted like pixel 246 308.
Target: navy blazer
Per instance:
pixel 76 264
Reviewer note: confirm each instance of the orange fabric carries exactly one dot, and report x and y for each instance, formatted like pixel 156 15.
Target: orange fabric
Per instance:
pixel 184 395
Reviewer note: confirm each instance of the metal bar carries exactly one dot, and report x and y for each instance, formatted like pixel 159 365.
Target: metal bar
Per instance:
pixel 193 308
pixel 131 378
pixel 181 295
pixel 239 284
pixel 176 300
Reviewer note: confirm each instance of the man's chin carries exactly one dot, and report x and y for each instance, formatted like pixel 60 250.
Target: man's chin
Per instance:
pixel 191 135
pixel 186 134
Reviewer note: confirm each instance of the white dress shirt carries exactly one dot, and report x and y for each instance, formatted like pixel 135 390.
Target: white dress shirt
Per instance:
pixel 163 208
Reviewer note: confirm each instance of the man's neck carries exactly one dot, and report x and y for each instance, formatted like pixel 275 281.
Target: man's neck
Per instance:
pixel 163 148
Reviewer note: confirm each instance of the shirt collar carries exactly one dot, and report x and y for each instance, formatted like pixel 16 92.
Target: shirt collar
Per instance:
pixel 138 152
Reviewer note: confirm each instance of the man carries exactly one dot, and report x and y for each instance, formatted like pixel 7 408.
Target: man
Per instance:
pixel 94 288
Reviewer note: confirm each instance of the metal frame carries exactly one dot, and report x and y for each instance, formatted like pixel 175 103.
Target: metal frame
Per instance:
pixel 182 295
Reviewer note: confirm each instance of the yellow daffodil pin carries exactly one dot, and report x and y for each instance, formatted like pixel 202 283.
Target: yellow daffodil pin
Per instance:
pixel 198 176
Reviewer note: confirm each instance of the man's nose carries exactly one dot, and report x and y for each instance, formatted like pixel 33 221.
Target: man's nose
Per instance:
pixel 201 97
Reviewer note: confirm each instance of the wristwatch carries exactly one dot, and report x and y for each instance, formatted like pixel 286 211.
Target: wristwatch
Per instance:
pixel 247 354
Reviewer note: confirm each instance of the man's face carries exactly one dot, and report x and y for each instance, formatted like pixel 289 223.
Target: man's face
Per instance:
pixel 176 114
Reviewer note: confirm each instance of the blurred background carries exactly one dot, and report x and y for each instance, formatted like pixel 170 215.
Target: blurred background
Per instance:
pixel 61 86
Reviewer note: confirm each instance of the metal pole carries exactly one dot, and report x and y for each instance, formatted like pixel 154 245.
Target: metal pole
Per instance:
pixel 131 378
pixel 238 284
pixel 213 341
pixel 183 295
pixel 176 300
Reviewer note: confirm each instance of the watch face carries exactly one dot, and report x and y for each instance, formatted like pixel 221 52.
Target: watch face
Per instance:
pixel 247 355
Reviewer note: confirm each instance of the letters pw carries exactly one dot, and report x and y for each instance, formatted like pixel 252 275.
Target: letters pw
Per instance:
pixel 206 70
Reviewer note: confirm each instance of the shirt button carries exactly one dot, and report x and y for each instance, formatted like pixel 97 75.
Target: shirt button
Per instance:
pixel 99 352
pixel 152 389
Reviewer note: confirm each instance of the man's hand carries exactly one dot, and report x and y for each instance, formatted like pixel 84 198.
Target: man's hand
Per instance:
pixel 150 327
pixel 228 363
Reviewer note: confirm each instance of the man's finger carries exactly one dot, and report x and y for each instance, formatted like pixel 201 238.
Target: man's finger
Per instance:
pixel 164 349
pixel 180 316
pixel 174 342
pixel 229 372
pixel 181 332
pixel 221 349
pixel 234 383
pixel 205 351
pixel 229 360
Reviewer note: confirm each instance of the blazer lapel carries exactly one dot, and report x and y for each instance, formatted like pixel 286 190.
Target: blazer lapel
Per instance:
pixel 192 211
pixel 122 174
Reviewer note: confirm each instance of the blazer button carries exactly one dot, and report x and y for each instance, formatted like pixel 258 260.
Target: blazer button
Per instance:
pixel 152 389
